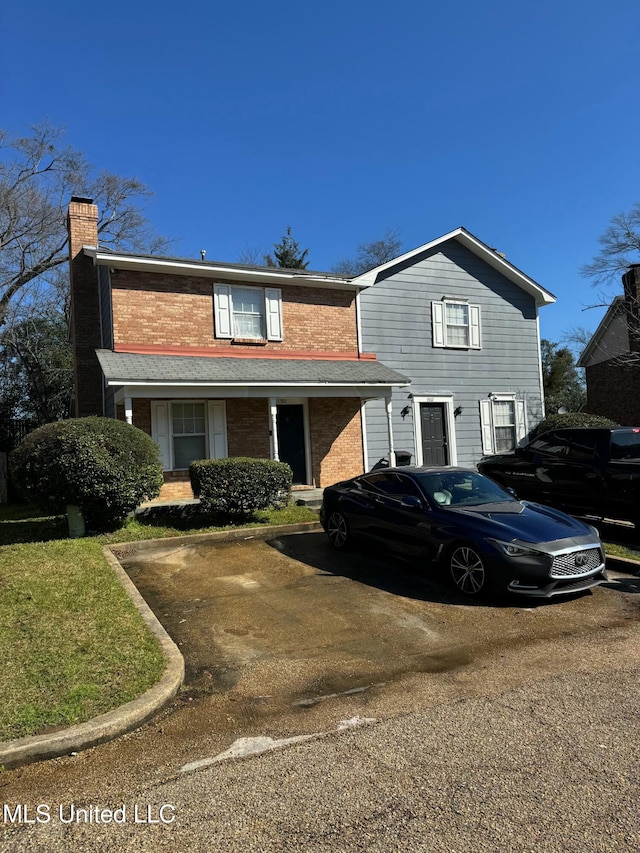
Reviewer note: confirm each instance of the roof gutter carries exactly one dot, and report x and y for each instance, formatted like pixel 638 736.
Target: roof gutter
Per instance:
pixel 213 270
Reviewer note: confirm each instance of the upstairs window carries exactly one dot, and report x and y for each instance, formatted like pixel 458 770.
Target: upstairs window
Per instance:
pixel 456 324
pixel 253 313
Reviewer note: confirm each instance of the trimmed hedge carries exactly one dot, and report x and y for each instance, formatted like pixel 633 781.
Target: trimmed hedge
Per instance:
pixel 241 485
pixel 572 419
pixel 104 466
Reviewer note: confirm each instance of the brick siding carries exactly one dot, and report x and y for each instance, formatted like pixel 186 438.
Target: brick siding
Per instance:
pixel 613 390
pixel 85 309
pixel 163 310
pixel 335 427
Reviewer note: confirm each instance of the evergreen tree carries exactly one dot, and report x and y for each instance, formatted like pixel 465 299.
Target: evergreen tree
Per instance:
pixel 287 254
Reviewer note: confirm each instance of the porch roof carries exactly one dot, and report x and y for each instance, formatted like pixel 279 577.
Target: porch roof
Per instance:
pixel 135 369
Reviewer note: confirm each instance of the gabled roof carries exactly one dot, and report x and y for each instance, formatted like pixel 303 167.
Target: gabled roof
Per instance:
pixel 598 348
pixel 310 278
pixel 486 253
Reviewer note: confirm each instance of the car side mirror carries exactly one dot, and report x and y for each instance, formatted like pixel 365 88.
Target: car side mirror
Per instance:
pixel 411 502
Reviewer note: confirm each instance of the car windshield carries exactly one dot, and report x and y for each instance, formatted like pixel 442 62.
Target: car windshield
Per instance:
pixel 462 488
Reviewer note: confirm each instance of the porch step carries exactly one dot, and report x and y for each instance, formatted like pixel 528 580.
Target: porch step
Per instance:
pixel 307 497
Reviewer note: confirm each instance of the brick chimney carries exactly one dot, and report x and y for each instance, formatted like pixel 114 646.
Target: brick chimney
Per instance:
pixel 631 285
pixel 82 223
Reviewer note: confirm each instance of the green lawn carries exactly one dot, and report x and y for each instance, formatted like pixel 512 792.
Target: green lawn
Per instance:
pixel 72 644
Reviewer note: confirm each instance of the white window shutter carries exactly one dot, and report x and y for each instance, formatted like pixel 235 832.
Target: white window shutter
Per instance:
pixel 437 322
pixel 521 419
pixel 161 431
pixel 217 424
pixel 223 311
pixel 486 424
pixel 474 326
pixel 273 305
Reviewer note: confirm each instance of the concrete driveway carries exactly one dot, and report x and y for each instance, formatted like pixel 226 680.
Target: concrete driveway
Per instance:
pixel 288 622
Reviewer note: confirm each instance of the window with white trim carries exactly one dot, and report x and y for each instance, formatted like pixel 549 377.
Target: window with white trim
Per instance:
pixel 253 313
pixel 188 433
pixel 188 429
pixel 456 324
pixel 503 420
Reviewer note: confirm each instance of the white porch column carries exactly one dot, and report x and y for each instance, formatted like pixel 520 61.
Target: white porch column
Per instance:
pixel 273 410
pixel 128 410
pixel 392 452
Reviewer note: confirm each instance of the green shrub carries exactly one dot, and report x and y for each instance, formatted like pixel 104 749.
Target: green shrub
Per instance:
pixel 104 466
pixel 572 419
pixel 239 486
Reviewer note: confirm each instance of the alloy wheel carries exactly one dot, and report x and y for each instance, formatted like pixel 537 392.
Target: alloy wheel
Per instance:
pixel 337 530
pixel 468 571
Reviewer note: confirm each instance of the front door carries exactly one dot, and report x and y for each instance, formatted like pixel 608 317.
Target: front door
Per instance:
pixel 291 445
pixel 435 450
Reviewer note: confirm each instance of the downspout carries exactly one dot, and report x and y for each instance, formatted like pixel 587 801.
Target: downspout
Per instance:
pixel 392 452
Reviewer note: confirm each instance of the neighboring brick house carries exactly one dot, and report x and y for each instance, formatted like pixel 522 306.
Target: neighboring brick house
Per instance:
pixel 216 359
pixel 612 357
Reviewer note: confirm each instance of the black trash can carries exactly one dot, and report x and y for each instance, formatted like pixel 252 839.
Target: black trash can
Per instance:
pixel 403 457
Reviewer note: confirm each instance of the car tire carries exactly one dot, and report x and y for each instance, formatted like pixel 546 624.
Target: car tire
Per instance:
pixel 468 571
pixel 338 531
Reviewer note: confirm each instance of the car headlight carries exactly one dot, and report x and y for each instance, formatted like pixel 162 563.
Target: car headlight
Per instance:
pixel 511 549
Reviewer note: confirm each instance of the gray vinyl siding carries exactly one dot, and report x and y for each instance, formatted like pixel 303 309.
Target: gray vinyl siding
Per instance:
pixel 396 324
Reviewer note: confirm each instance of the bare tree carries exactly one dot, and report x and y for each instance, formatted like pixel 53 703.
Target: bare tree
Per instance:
pixel 371 255
pixel 252 255
pixel 620 248
pixel 38 175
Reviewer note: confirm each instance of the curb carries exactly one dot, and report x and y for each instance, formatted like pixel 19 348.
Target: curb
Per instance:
pixel 622 564
pixel 133 714
pixel 168 543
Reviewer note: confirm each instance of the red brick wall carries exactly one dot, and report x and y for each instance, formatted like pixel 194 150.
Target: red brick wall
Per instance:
pixel 163 310
pixel 335 430
pixel 141 414
pixel 82 222
pixel 613 390
pixel 335 427
pixel 248 428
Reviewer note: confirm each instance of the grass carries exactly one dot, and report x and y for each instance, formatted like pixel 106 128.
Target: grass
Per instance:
pixel 614 549
pixel 72 644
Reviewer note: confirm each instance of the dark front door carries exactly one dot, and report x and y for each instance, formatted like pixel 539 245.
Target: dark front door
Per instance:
pixel 435 449
pixel 291 440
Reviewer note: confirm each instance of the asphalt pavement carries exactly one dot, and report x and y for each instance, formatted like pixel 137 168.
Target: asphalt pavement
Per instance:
pixel 535 749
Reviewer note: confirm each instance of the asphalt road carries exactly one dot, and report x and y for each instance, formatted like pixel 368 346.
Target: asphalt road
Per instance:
pixel 526 746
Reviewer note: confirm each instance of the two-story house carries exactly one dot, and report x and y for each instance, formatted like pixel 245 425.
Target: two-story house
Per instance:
pixel 215 359
pixel 461 322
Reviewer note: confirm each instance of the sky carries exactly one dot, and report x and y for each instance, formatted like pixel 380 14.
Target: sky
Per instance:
pixel 519 121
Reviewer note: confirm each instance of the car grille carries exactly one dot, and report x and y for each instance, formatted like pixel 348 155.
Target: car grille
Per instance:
pixel 564 565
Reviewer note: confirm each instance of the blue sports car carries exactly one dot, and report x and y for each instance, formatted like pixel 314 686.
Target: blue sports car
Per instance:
pixel 483 535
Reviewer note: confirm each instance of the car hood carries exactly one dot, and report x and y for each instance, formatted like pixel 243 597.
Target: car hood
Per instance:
pixel 522 520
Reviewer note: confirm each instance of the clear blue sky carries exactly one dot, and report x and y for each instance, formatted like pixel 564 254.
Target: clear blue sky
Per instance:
pixel 518 120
